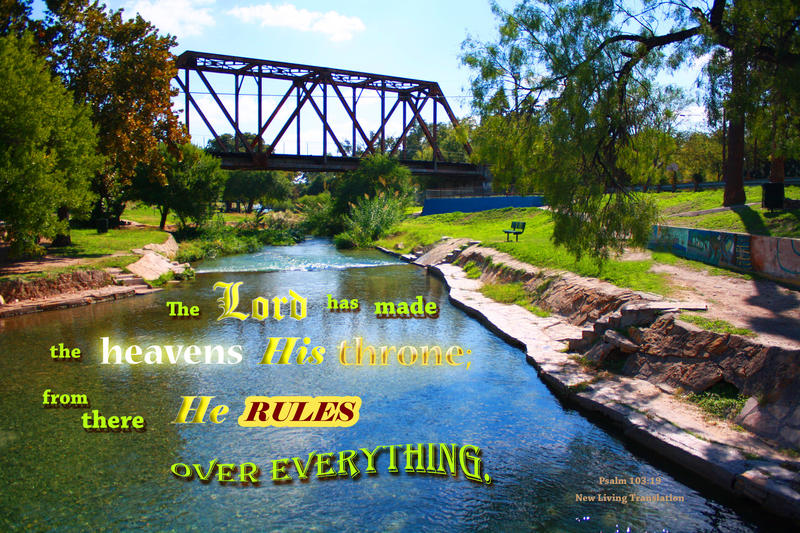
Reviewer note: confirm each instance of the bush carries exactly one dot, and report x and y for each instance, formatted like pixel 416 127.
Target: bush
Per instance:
pixel 217 238
pixel 369 220
pixel 317 212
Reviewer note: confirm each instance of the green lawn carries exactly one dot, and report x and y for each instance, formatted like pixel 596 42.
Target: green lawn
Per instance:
pixel 88 243
pixel 670 203
pixel 534 245
pixel 746 219
pixel 144 214
pixel 536 248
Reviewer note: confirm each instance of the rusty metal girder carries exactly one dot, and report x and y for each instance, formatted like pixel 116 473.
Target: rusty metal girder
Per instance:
pixel 409 94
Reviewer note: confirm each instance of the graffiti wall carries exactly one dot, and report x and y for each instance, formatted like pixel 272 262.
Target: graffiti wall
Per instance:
pixel 775 256
pixel 771 256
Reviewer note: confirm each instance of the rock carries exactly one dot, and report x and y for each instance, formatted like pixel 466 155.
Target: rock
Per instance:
pixel 619 341
pixel 599 352
pixel 168 248
pixel 19 289
pixel 440 252
pixel 635 334
pixel 152 266
pixel 399 246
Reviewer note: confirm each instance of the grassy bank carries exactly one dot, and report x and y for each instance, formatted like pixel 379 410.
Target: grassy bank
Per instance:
pixel 93 251
pixel 744 219
pixel 534 246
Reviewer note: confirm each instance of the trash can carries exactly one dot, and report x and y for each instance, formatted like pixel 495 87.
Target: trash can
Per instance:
pixel 772 195
pixel 102 225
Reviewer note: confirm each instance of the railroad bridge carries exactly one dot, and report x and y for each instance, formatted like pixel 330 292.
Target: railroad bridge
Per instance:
pixel 343 132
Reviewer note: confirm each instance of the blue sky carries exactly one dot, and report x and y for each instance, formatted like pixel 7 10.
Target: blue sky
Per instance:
pixel 410 38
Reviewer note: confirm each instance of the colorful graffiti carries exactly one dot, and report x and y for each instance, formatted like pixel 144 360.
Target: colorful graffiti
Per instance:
pixel 772 256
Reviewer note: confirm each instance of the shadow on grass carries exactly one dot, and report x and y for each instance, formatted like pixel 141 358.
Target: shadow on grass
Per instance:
pixel 752 220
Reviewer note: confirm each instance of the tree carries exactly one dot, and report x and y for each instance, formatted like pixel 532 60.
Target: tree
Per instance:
pixel 14 16
pixel 376 173
pixel 122 70
pixel 192 182
pixel 231 143
pixel 47 147
pixel 253 186
pixel 584 69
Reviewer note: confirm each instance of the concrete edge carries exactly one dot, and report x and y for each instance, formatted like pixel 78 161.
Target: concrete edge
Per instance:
pixel 735 475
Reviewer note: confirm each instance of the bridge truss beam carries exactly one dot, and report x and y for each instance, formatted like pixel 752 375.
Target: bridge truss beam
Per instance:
pixel 312 87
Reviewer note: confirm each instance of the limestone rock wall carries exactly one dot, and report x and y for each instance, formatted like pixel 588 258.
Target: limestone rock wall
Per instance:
pixel 662 350
pixel 678 354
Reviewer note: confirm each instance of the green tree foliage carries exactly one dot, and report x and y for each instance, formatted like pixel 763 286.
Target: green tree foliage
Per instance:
pixel 14 16
pixel 700 154
pixel 583 71
pixel 194 182
pixel 47 148
pixel 318 215
pixel 369 220
pixel 251 186
pixel 122 70
pixel 375 174
pixel 230 144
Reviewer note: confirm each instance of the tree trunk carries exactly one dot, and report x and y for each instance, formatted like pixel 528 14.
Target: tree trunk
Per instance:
pixel 777 169
pixel 63 239
pixel 734 166
pixel 163 223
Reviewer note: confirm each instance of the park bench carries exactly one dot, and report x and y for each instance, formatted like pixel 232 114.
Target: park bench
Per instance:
pixel 516 229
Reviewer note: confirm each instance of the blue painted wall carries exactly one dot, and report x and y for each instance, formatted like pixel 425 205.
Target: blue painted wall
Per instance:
pixel 434 206
pixel 774 257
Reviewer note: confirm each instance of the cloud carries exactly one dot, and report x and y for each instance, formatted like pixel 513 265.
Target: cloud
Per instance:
pixel 336 26
pixel 181 18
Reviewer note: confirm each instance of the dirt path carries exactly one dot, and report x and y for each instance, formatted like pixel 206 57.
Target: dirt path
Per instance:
pixel 768 309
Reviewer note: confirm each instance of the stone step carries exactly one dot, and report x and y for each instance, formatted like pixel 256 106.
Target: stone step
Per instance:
pixel 145 289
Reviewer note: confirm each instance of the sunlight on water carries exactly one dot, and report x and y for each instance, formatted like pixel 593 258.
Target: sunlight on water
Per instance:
pixel 542 457
pixel 313 254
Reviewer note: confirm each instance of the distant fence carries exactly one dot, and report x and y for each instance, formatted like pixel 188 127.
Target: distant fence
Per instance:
pixel 773 257
pixel 711 185
pixel 435 206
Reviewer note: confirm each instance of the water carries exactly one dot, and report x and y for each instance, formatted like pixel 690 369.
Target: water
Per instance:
pixel 538 454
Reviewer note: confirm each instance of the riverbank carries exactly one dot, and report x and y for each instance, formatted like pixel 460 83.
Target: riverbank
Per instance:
pixel 20 295
pixel 739 462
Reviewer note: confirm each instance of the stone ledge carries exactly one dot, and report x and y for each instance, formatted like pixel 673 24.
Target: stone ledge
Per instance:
pixel 641 410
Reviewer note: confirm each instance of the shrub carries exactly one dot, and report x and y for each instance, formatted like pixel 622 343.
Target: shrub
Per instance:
pixel 369 220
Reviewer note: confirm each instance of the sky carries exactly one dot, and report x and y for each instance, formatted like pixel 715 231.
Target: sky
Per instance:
pixel 419 39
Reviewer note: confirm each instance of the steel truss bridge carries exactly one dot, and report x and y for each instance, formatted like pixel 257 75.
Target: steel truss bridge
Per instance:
pixel 402 102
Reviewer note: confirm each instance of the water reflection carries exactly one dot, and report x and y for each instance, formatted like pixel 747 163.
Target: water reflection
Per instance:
pixel 539 455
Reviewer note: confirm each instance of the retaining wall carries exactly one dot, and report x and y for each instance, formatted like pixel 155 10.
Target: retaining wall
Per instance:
pixel 773 257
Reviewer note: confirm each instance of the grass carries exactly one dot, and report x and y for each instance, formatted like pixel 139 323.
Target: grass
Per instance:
pixel 671 203
pixel 744 219
pixel 534 246
pixel 718 326
pixel 722 400
pixel 118 261
pixel 87 243
pixel 96 251
pixel 671 259
pixel 471 270
pixel 144 214
pixel 513 293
